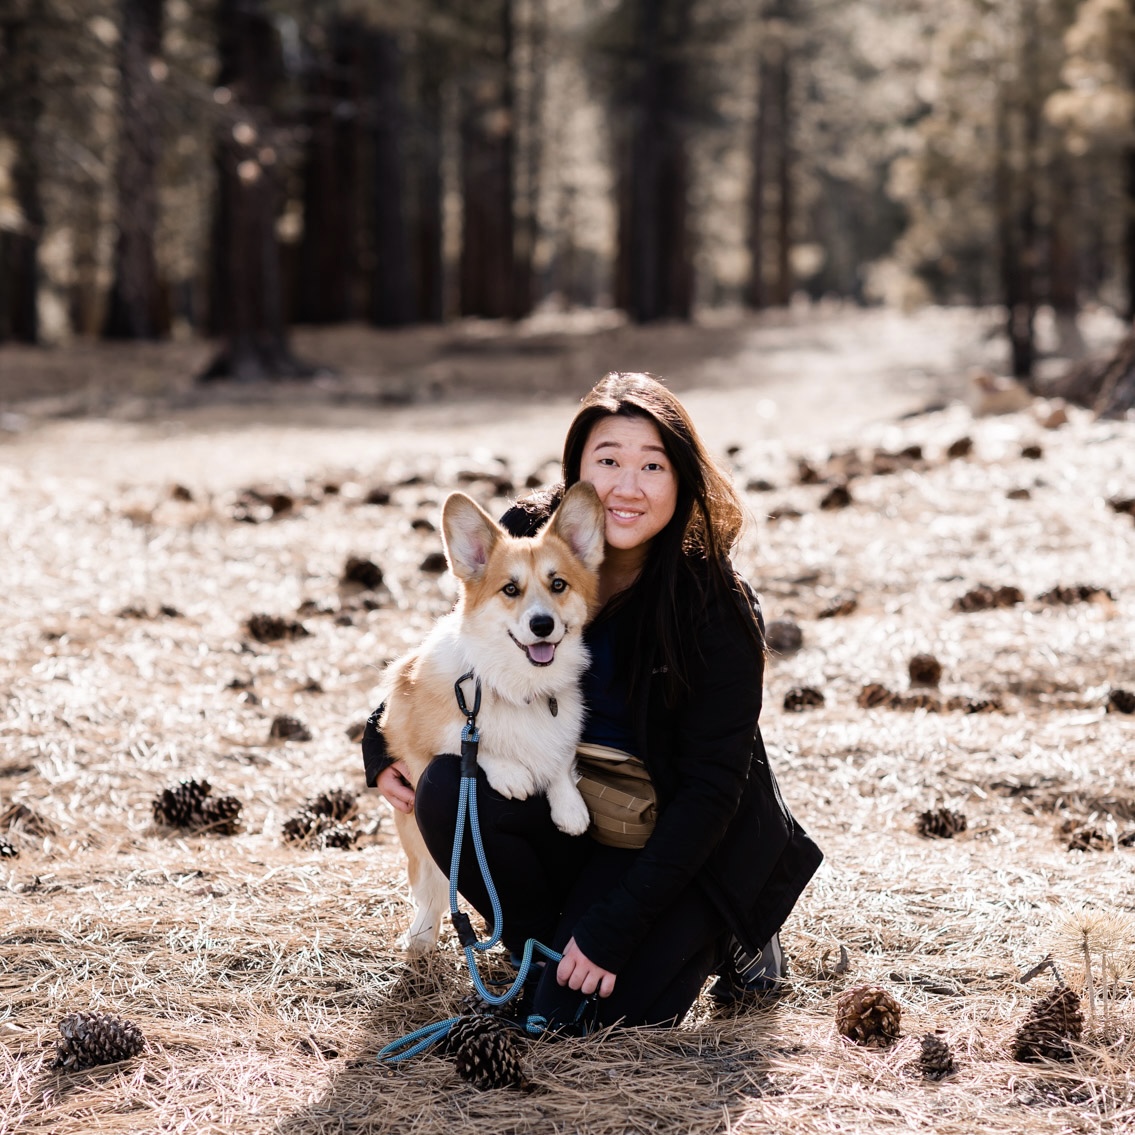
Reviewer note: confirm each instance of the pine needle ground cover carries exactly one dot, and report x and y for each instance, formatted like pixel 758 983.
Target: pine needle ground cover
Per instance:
pixel 264 973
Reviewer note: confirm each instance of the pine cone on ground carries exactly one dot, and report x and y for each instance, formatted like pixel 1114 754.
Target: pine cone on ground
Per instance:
pixel 800 698
pixel 876 694
pixel 1051 1024
pixel 485 1052
pixel 941 823
pixel 180 807
pixel 935 1059
pixel 284 727
pixel 339 804
pixel 221 814
pixel 924 670
pixel 868 1015
pixel 332 833
pixel 362 571
pixel 272 628
pixel 192 805
pixel 90 1039
pixel 1121 701
pixel 7 849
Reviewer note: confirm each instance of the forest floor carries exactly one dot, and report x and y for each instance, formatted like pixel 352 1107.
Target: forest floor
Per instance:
pixel 146 520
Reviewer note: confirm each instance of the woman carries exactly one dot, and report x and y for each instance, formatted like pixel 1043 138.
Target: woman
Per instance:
pixel 674 692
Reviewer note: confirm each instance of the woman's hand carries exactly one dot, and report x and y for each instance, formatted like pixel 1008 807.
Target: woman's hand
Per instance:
pixel 394 785
pixel 577 972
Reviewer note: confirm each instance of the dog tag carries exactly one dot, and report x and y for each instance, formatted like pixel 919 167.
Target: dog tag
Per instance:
pixel 554 706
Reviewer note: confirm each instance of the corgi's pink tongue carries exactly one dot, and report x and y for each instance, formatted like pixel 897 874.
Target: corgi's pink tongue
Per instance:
pixel 542 652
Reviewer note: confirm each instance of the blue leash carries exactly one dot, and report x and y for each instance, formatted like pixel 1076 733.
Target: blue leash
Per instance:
pixel 421 1039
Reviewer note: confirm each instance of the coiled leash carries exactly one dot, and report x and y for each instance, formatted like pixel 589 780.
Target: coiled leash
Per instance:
pixel 421 1039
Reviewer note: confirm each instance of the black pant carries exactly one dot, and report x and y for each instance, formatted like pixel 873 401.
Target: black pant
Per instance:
pixel 546 880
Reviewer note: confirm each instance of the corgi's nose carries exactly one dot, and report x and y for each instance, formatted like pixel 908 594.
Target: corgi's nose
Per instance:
pixel 541 625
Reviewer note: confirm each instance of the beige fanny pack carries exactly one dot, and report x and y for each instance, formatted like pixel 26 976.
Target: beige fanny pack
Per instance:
pixel 619 795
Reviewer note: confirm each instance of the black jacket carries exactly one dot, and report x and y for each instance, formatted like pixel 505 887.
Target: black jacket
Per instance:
pixel 722 823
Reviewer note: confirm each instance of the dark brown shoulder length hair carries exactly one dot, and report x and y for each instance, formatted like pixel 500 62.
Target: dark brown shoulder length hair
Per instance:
pixel 689 559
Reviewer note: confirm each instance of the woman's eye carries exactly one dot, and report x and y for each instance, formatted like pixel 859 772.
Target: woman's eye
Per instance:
pixel 605 461
pixel 511 590
pixel 559 585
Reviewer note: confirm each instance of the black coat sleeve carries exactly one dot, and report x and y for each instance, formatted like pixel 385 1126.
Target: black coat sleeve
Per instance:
pixel 700 779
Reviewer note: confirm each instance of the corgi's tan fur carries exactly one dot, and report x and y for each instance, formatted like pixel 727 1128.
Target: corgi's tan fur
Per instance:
pixel 518 626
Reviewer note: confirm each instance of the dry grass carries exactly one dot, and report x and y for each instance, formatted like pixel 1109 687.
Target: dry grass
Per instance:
pixel 266 976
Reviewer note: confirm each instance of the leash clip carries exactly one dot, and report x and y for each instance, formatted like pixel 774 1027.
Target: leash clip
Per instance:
pixel 470 734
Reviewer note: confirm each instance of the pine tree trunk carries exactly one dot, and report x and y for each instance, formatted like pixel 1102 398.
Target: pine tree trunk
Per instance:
pixel 21 106
pixel 1063 257
pixel 654 265
pixel 246 294
pixel 488 269
pixel 325 278
pixel 134 310
pixel 424 181
pixel 781 91
pixel 392 303
pixel 757 294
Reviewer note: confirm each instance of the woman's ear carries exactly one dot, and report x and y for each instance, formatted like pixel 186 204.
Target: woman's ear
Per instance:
pixel 469 534
pixel 580 523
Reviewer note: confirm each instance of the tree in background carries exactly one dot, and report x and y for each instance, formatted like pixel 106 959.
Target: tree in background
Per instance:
pixel 771 195
pixel 326 272
pixel 246 293
pixel 21 208
pixel 644 46
pixel 133 305
pixel 488 270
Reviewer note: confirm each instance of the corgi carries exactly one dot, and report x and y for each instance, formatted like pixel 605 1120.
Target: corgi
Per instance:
pixel 517 626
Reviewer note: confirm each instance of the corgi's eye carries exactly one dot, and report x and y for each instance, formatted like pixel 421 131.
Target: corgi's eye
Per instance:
pixel 559 585
pixel 511 590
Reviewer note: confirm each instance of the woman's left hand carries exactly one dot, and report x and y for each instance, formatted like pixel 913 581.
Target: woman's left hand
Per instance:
pixel 576 971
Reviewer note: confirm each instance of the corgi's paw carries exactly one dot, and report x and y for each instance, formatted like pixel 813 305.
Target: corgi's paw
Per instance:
pixel 421 938
pixel 511 783
pixel 569 812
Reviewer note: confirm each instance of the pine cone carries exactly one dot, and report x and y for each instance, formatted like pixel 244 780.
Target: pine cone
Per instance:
pixel 7 849
pixel 869 1015
pixel 309 826
pixel 332 833
pixel 941 823
pixel 935 1059
pixel 191 805
pixel 298 828
pixel 287 728
pixel 180 807
pixel 874 695
pixel 362 571
pixel 1121 701
pixel 924 670
pixel 1051 1023
pixel 800 698
pixel 90 1039
pixel 221 814
pixel 339 804
pixel 485 1053
pixel 272 628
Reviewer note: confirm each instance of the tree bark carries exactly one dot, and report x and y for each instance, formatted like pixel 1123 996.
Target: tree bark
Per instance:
pixel 325 278
pixel 246 295
pixel 392 296
pixel 134 309
pixel 757 294
pixel 654 266
pixel 488 268
pixel 21 106
pixel 423 199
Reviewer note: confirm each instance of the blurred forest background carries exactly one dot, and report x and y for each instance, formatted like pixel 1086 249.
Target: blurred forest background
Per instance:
pixel 225 169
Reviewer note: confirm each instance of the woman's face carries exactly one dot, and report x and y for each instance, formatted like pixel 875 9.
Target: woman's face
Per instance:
pixel 626 462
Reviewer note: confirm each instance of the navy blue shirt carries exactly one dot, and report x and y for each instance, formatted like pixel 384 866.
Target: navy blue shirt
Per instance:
pixel 605 692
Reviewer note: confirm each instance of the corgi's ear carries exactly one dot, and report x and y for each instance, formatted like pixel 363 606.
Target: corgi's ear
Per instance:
pixel 470 535
pixel 579 521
